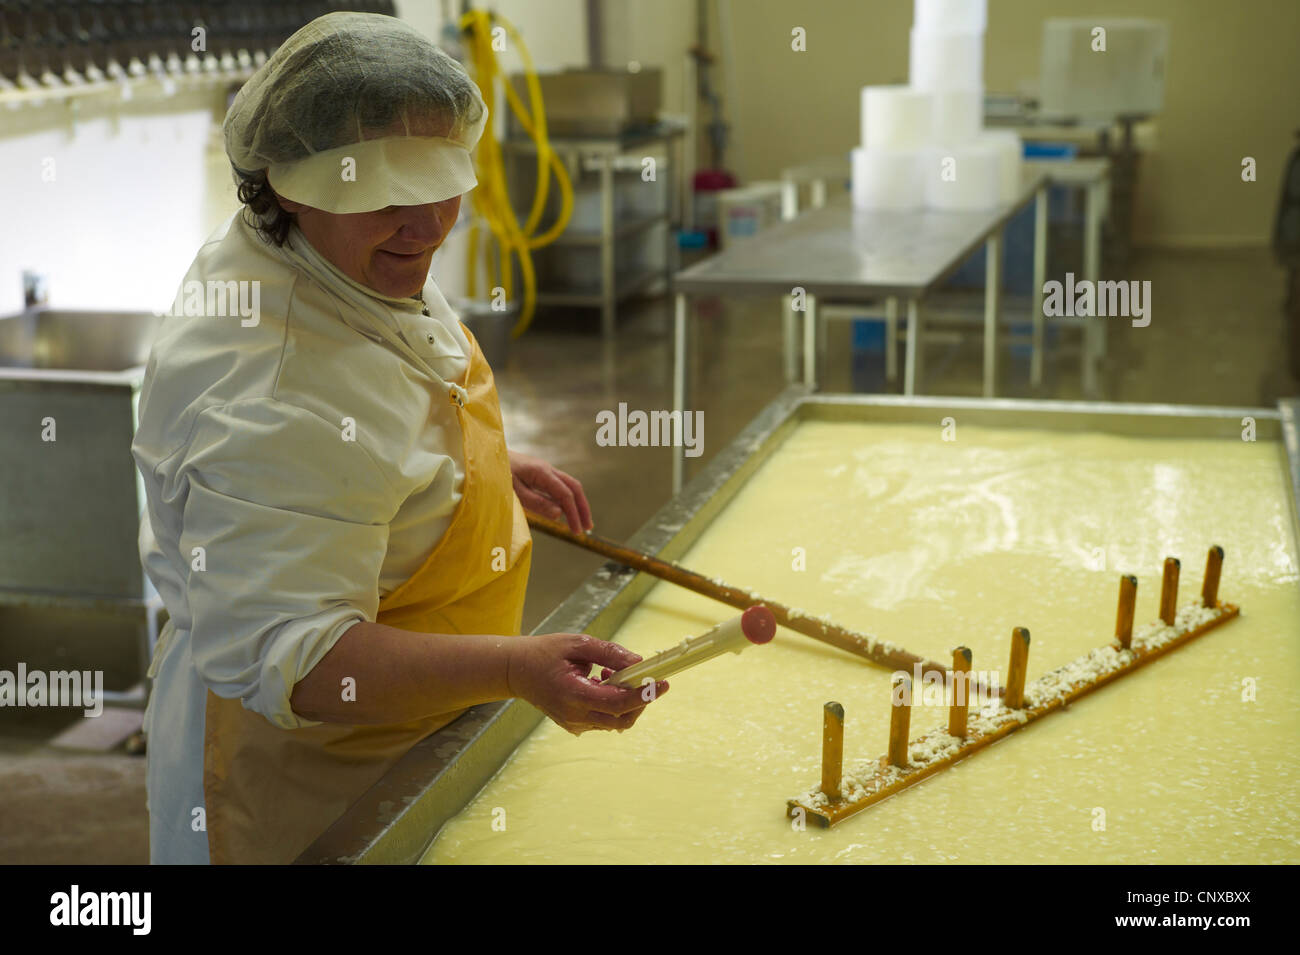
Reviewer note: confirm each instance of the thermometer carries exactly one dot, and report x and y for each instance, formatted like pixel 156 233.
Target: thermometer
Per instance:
pixel 755 625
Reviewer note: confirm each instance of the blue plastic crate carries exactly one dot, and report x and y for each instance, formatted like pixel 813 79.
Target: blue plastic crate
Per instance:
pixel 1018 244
pixel 869 334
pixel 1041 150
pixel 1017 258
pixel 1025 350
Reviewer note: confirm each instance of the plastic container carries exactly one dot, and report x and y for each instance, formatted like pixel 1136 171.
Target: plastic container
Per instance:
pixel 1044 150
pixel 869 334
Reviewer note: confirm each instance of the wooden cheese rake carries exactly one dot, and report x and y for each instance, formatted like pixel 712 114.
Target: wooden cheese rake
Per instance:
pixel 908 762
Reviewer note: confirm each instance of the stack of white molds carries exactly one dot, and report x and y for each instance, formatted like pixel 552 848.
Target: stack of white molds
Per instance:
pixel 897 132
pixel 1011 153
pixel 924 145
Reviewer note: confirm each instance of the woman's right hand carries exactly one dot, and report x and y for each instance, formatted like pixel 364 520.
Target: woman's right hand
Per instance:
pixel 551 671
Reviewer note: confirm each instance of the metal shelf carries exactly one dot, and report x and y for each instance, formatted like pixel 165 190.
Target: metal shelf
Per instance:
pixel 90 603
pixel 152 83
pixel 604 151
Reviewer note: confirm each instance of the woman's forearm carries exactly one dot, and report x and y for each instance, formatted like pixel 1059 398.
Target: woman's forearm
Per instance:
pixel 380 674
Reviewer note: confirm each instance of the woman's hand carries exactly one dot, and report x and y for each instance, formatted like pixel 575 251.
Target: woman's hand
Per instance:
pixel 551 671
pixel 550 492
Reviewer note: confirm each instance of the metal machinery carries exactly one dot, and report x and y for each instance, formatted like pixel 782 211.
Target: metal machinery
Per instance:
pixel 72 590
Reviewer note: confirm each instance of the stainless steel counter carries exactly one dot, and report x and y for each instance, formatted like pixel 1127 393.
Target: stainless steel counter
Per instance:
pixel 838 252
pixel 1091 176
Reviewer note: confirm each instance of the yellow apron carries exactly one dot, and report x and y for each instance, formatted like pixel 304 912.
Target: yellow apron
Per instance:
pixel 271 792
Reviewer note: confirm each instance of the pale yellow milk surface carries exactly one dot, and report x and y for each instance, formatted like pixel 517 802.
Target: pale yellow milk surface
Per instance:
pixel 931 544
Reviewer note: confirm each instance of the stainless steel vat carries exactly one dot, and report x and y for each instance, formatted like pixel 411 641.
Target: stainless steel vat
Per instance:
pixel 54 340
pixel 72 589
pixel 586 102
pixel 397 820
pixel 70 507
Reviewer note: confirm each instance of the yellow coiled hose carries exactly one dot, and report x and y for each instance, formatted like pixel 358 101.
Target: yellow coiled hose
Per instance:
pixel 491 199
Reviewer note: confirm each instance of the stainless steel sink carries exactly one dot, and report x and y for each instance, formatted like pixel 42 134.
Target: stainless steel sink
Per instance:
pixel 76 341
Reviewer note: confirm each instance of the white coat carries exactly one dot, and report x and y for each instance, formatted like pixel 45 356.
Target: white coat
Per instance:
pixel 267 532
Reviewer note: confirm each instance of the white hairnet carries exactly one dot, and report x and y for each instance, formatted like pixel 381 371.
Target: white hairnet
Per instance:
pixel 356 112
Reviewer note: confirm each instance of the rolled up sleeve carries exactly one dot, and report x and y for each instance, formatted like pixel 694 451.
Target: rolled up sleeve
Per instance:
pixel 286 527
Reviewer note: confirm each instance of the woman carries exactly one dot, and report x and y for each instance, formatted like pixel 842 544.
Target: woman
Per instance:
pixel 332 519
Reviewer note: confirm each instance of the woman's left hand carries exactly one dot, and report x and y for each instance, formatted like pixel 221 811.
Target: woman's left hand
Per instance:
pixel 548 491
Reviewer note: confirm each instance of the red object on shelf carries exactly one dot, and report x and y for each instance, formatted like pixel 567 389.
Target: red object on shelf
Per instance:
pixel 705 183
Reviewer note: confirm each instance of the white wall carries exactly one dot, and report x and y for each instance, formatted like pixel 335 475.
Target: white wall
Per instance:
pixel 108 202
pixel 553 30
pixel 1230 92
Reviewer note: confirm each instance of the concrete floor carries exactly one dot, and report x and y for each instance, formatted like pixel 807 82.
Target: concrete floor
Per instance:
pixel 1217 336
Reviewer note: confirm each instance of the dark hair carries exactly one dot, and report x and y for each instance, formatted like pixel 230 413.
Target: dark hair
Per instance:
pixel 261 210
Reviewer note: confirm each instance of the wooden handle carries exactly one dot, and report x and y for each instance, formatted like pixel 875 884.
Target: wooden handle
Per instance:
pixel 1128 588
pixel 832 749
pixel 1169 592
pixel 1213 567
pixel 1019 663
pixel 884 654
pixel 961 661
pixel 900 720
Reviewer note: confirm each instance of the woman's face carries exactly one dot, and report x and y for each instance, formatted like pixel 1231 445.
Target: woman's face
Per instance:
pixel 389 250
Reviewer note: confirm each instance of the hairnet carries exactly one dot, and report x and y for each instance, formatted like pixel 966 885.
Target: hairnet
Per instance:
pixel 356 112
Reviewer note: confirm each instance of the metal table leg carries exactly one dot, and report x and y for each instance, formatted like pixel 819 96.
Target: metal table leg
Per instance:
pixel 992 309
pixel 670 216
pixel 1040 276
pixel 912 359
pixel 681 191
pixel 891 339
pixel 685 178
pixel 608 300
pixel 788 321
pixel 789 210
pixel 810 342
pixel 789 199
pixel 679 383
pixel 1094 339
pixel 817 197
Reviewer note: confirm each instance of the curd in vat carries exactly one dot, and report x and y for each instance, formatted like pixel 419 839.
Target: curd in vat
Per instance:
pixel 931 544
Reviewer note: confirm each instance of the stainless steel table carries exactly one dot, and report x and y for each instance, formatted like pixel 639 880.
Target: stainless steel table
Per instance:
pixel 1090 175
pixel 838 252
